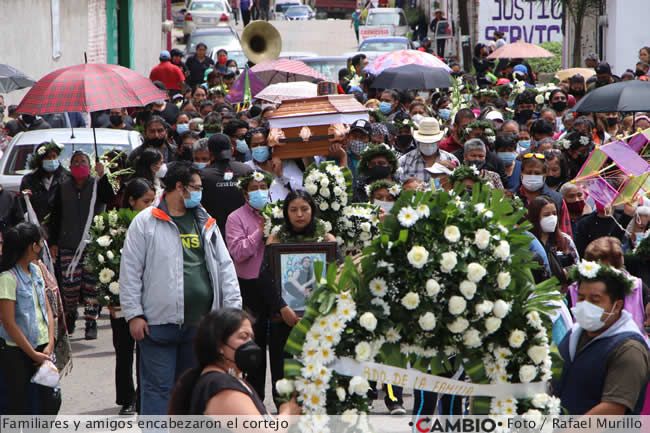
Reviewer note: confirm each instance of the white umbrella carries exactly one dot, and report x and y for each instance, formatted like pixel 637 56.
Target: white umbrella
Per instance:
pixel 279 92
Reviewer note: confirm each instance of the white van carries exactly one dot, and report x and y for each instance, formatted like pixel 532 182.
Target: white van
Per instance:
pixel 382 22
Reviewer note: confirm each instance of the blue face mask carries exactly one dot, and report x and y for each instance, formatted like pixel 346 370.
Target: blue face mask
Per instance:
pixel 385 107
pixel 524 144
pixel 508 158
pixel 51 165
pixel 258 199
pixel 444 113
pixel 182 127
pixel 242 147
pixel 194 200
pixel 261 153
pixel 200 165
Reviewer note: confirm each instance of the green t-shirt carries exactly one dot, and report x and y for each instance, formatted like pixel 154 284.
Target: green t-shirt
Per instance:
pixel 196 280
pixel 8 286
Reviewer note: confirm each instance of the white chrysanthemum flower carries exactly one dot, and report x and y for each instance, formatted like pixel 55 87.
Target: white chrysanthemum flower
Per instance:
pixel 368 321
pixel 554 405
pixel 537 354
pixel 452 234
pixel 527 373
pixel 392 335
pixel 346 311
pixel 411 300
pixel 540 400
pixel 492 325
pixel 457 305
pixel 284 387
pixel 588 269
pixel 362 351
pixel 358 385
pixel 535 320
pixel 448 262
pixel 432 287
pixel 258 176
pixel 418 256
pixel 482 239
pixel 584 140
pixel 407 216
pixel 468 289
pixel 423 211
pixel 502 251
pixel 378 287
pixel 395 190
pixel 459 325
pixel 517 338
pixel 323 206
pixel 503 280
pixel 114 288
pixel 104 241
pixel 501 308
pixel 475 272
pixel 427 321
pixel 106 275
pixel 472 338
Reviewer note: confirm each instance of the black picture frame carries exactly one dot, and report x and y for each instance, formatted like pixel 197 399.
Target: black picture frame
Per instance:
pixel 290 274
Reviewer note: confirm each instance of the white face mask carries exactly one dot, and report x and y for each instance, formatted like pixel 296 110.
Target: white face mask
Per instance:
pixel 428 149
pixel 162 171
pixel 589 316
pixel 548 223
pixel 386 206
pixel 532 182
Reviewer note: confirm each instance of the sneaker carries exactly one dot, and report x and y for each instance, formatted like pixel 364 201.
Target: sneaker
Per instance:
pixel 395 408
pixel 70 320
pixel 91 330
pixel 128 409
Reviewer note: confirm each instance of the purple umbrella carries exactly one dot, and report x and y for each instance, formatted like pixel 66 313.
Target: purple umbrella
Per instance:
pixel 236 93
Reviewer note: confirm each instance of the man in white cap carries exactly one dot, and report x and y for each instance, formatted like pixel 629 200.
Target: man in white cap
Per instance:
pixel 496 118
pixel 427 153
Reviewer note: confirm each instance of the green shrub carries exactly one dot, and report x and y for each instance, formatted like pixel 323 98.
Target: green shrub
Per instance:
pixel 551 64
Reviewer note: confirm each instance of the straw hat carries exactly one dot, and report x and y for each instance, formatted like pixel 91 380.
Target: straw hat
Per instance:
pixel 429 131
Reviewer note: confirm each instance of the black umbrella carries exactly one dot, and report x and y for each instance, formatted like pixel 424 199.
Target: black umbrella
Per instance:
pixel 625 96
pixel 12 79
pixel 412 77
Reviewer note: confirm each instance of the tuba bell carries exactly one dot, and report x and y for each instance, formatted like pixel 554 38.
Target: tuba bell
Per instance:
pixel 261 42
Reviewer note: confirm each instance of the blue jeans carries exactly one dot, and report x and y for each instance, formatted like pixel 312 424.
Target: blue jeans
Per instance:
pixel 165 354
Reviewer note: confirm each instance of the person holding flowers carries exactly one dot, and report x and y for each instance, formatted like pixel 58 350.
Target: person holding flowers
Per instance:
pixel 245 240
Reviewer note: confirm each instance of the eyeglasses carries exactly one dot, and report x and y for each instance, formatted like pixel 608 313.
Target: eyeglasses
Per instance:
pixel 534 155
pixel 195 187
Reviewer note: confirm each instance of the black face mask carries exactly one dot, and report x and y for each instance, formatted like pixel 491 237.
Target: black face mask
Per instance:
pixel 559 106
pixel 577 92
pixel 403 140
pixel 612 121
pixel 155 142
pixel 524 116
pixel 553 180
pixel 248 356
pixel 479 164
pixel 379 172
pixel 639 73
pixel 28 119
pixel 115 119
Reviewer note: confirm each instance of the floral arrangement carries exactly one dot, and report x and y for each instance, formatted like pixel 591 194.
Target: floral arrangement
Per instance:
pixel 104 252
pixel 590 271
pixel 357 226
pixel 331 187
pixel 273 217
pixel 447 284
pixel 489 134
pixel 459 97
pixel 393 188
pixel 404 123
pixel 466 172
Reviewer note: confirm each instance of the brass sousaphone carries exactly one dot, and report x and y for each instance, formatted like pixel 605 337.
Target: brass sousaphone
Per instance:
pixel 261 42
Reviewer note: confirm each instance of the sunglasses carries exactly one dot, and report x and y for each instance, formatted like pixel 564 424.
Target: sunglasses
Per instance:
pixel 534 155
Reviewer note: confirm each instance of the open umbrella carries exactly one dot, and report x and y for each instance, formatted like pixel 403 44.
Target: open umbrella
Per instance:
pixel 625 96
pixel 279 92
pixel 286 70
pixel 412 77
pixel 12 79
pixel 565 74
pixel 238 90
pixel 404 57
pixel 520 50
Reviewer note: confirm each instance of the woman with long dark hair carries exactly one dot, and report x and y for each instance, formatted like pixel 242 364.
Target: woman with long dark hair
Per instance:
pixel 150 165
pixel 27 328
pixel 225 352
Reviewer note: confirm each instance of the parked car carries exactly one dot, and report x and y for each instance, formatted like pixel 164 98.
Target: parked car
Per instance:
pixel 327 65
pixel 235 54
pixel 299 13
pixel 217 37
pixel 384 45
pixel 382 22
pixel 281 7
pixel 203 14
pixel 15 162
pixel 335 8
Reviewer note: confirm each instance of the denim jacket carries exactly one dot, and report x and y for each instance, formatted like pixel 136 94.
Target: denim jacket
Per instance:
pixel 25 309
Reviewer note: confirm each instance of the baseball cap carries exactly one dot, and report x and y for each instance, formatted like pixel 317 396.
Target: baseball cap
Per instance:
pixel 603 68
pixel 361 125
pixel 494 115
pixel 520 69
pixel 164 55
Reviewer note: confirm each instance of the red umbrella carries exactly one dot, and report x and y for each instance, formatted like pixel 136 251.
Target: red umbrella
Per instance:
pixel 285 70
pixel 89 87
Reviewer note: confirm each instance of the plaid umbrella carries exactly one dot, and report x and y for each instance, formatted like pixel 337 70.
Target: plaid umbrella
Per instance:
pixel 12 79
pixel 404 57
pixel 89 87
pixel 285 70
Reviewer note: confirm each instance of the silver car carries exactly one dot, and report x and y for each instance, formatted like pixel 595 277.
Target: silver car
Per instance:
pixel 15 161
pixel 206 14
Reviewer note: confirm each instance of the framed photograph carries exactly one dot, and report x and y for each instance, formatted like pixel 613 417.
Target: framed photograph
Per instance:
pixel 293 269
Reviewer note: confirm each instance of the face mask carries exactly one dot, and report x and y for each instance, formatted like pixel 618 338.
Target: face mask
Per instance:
pixel 576 207
pixel 115 119
pixel 508 158
pixel 182 127
pixel 194 200
pixel 200 165
pixel 577 92
pixel 403 140
pixel 416 118
pixel 358 144
pixel 589 316
pixel 553 180
pixel 51 165
pixel 479 164
pixel 80 172
pixel 155 142
pixel 248 356
pixel 162 171
pixel 532 182
pixel 258 199
pixel 612 121
pixel 548 223
pixel 428 149
pixel 261 153
pixel 241 146
pixel 524 144
pixel 524 116
pixel 385 107
pixel 222 59
pixel 386 206
pixel 232 69
pixel 379 172
pixel 28 119
pixel 639 236
pixel 559 106
pixel 444 113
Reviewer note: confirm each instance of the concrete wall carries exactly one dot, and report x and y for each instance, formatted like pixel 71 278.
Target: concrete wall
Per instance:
pixel 626 32
pixel 149 38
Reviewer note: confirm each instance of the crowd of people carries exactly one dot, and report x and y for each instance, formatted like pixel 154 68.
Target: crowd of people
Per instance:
pixel 196 289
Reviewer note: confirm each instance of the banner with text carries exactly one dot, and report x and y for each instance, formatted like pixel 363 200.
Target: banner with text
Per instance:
pixel 532 21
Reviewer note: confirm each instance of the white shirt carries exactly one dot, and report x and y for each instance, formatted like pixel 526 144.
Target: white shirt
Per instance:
pixel 291 176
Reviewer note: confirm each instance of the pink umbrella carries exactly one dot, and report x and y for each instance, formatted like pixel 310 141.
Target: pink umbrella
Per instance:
pixel 520 50
pixel 402 58
pixel 285 70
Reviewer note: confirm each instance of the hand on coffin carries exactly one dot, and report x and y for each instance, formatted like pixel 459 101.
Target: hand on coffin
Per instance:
pixel 276 166
pixel 276 135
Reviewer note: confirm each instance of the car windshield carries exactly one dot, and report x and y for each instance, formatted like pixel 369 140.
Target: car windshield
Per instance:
pixel 18 159
pixel 382 46
pixel 297 10
pixel 215 40
pixel 329 68
pixel 208 7
pixel 282 7
pixel 385 19
pixel 239 57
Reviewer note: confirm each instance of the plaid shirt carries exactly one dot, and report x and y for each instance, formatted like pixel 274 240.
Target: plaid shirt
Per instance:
pixel 412 165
